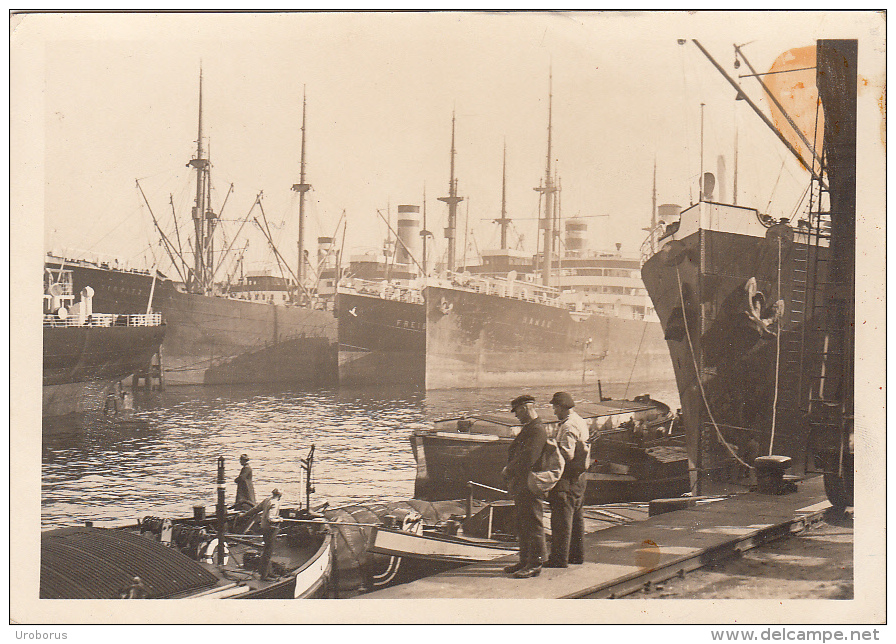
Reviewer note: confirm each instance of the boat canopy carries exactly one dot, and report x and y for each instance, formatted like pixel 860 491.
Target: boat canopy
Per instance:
pixel 97 563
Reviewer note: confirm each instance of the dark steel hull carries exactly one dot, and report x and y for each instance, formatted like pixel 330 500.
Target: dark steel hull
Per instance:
pixel 381 341
pixel 82 362
pixel 734 396
pixel 219 340
pixel 478 340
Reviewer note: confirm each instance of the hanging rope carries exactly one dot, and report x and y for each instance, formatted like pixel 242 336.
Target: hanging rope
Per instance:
pixel 643 333
pixel 700 381
pixel 771 442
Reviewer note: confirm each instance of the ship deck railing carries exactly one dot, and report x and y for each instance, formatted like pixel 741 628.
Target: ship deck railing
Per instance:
pixel 72 256
pixel 104 320
pixel 384 290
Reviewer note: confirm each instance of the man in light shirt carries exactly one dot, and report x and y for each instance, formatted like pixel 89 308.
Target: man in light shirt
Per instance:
pixel 270 526
pixel 568 495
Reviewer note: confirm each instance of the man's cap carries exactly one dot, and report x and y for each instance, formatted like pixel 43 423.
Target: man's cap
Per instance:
pixel 275 492
pixel 563 399
pixel 521 400
pixel 244 457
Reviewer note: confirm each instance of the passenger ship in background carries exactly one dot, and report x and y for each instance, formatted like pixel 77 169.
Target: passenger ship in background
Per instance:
pixel 515 319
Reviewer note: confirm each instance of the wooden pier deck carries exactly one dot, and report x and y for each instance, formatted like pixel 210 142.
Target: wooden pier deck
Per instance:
pixel 624 558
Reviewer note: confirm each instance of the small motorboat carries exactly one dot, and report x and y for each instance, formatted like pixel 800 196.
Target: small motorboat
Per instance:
pixel 637 453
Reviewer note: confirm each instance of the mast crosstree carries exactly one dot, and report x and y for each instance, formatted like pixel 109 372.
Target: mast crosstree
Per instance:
pixel 452 200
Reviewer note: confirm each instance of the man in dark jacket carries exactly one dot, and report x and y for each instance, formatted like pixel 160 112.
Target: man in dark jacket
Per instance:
pixel 568 495
pixel 523 455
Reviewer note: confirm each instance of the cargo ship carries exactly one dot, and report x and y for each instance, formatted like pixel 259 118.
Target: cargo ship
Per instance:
pixel 260 329
pixel 85 353
pixel 512 319
pixel 757 312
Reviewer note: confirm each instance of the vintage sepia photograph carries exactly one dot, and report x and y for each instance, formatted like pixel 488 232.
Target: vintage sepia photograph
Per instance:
pixel 437 307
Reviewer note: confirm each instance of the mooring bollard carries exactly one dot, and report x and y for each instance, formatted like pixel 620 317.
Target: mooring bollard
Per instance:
pixel 770 474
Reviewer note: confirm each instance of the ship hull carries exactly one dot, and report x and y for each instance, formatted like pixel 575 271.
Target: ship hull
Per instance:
pixel 381 341
pixel 477 340
pixel 700 289
pixel 82 362
pixel 219 340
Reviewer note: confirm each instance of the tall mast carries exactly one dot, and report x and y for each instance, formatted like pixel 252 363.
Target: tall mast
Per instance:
pixel 301 187
pixel 452 200
pixel 548 189
pixel 200 164
pixel 504 221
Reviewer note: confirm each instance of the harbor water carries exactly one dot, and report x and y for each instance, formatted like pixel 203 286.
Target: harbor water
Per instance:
pixel 163 460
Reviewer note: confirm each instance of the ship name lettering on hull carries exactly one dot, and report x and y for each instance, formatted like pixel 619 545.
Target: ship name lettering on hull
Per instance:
pixel 536 322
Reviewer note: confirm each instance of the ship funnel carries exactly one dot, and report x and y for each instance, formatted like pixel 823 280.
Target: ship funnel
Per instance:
pixel 325 257
pixel 408 233
pixel 576 230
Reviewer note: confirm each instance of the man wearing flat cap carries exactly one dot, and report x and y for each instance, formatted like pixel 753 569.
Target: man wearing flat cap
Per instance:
pixel 523 455
pixel 245 489
pixel 568 495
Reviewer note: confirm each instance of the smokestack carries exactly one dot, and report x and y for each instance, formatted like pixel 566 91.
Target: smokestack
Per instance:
pixel 576 230
pixel 324 248
pixel 408 233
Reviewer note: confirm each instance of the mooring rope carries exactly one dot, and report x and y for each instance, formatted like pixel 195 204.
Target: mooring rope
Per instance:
pixel 700 381
pixel 638 353
pixel 771 443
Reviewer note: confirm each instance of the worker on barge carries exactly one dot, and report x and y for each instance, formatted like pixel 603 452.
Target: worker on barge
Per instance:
pixel 523 454
pixel 270 526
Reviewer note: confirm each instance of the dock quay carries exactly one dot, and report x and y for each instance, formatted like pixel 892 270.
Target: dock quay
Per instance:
pixel 626 558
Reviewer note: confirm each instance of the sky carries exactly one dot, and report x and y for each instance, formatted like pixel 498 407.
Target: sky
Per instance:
pixel 113 98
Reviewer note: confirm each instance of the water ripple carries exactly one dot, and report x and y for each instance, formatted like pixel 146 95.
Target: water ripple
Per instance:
pixel 165 462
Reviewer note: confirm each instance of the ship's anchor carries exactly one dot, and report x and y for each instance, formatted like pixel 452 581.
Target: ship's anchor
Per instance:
pixel 445 306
